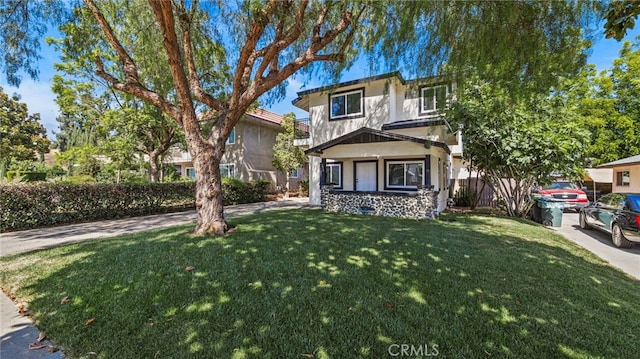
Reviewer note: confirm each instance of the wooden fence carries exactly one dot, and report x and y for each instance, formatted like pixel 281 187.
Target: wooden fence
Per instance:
pixel 488 197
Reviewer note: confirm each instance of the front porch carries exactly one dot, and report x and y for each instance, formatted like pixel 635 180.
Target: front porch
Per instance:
pixel 421 204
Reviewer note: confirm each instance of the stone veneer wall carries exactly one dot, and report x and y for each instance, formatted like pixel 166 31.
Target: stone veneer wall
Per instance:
pixel 421 204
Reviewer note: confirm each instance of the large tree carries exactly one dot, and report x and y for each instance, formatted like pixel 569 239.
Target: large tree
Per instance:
pixel 517 143
pixel 609 103
pixel 523 44
pixel 22 135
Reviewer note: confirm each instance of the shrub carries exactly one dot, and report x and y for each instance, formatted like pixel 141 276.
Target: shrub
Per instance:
pixel 258 190
pixel 304 186
pixel 27 176
pixel 463 197
pixel 46 204
pixel 80 179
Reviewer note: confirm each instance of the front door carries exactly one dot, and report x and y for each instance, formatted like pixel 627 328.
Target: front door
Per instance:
pixel 366 176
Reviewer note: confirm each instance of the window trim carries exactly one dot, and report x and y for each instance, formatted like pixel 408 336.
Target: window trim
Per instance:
pixel 620 178
pixel 228 142
pixel 425 172
pixel 338 164
pixel 347 116
pixel 424 111
pixel 233 169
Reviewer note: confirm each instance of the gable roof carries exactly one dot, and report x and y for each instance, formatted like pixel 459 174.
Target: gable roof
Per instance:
pixel 264 115
pixel 369 135
pixel 303 103
pixel 633 160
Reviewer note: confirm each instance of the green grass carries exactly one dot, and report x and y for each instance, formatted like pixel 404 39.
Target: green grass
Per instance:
pixel 288 283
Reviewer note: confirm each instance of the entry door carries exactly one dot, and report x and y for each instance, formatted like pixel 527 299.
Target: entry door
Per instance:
pixel 365 176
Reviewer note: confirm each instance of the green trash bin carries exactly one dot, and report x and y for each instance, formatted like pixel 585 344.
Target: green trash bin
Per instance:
pixel 551 212
pixel 536 211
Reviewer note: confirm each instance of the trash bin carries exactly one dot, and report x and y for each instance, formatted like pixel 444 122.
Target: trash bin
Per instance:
pixel 551 212
pixel 536 211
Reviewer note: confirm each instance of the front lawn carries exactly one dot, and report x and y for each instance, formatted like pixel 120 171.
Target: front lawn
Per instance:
pixel 310 284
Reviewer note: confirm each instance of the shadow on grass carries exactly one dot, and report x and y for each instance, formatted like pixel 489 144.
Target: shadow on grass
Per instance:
pixel 287 283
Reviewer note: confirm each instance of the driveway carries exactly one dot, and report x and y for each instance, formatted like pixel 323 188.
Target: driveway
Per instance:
pixel 599 243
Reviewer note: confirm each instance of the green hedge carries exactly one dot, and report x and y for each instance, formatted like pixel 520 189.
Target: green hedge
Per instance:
pixel 36 205
pixel 27 176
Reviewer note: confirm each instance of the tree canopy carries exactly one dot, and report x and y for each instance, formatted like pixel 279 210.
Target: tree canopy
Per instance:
pixel 609 103
pixel 286 155
pixel 516 144
pixel 22 135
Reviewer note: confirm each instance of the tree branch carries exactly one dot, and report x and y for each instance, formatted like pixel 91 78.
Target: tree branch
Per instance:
pixel 194 81
pixel 261 85
pixel 272 51
pixel 164 14
pixel 129 66
pixel 138 90
pixel 248 54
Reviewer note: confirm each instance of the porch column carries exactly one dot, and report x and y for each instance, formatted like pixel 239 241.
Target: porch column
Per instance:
pixel 323 166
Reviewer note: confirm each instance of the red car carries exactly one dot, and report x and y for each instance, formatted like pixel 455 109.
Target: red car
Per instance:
pixel 567 192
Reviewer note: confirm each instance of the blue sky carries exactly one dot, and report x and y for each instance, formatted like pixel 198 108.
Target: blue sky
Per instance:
pixel 40 99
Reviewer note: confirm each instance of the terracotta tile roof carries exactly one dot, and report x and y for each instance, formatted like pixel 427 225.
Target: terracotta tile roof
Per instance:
pixel 265 115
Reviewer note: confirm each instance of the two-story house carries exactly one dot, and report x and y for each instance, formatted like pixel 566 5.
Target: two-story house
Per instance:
pixel 248 152
pixel 380 145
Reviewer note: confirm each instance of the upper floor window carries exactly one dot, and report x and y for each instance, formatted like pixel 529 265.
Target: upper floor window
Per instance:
pixel 433 98
pixel 347 104
pixel 232 137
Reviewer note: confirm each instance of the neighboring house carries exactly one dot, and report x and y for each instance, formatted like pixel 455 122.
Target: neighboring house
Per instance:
pixel 382 144
pixel 248 152
pixel 626 174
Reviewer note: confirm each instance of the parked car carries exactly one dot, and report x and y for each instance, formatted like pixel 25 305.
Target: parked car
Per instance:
pixel 565 191
pixel 617 214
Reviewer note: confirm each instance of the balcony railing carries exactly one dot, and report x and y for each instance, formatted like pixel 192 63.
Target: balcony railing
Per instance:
pixel 302 128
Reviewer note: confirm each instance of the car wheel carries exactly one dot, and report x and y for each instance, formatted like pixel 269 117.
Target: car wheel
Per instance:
pixel 617 237
pixel 583 221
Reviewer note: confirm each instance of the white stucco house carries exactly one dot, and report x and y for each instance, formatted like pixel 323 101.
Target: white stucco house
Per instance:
pixel 381 145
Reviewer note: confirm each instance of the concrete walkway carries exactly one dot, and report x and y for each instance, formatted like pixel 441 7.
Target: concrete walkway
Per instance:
pixel 599 243
pixel 17 332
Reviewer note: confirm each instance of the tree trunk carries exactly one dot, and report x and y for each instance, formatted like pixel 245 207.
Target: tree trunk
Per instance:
pixel 154 167
pixel 286 185
pixel 209 201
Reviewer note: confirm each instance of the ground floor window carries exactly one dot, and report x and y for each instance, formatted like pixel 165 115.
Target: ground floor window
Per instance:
pixel 294 173
pixel 623 178
pixel 333 174
pixel 404 174
pixel 228 170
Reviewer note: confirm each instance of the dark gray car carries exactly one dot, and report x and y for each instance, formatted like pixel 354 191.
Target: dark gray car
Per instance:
pixel 617 214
